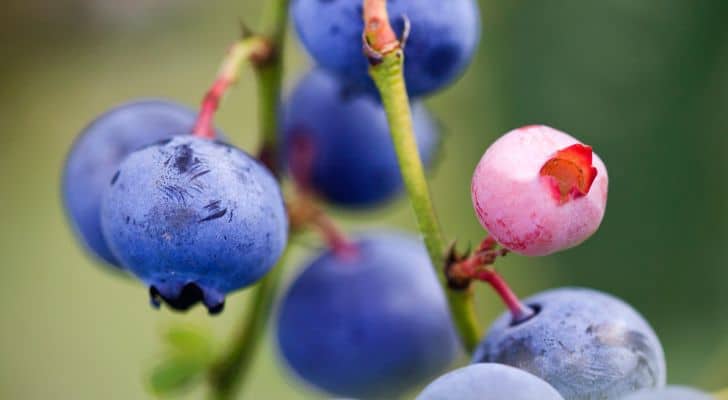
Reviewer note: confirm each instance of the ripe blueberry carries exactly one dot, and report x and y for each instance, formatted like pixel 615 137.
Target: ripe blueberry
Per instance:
pixel 669 393
pixel 99 150
pixel 537 191
pixel 194 219
pixel 372 324
pixel 586 344
pixel 337 143
pixel 489 382
pixel 443 39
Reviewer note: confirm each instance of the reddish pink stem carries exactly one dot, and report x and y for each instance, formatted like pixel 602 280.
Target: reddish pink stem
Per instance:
pixel 203 126
pixel 478 266
pixel 377 29
pixel 519 311
pixel 336 239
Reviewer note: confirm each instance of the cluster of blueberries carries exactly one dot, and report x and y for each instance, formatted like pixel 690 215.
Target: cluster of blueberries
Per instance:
pixel 196 218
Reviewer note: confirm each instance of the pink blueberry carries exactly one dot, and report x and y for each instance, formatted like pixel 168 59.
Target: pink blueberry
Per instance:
pixel 538 190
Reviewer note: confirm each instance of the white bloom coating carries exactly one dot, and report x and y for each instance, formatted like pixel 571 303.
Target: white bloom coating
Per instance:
pixel 517 205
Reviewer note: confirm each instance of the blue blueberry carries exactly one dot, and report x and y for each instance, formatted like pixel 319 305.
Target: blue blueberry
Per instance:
pixel 99 150
pixel 670 393
pixel 370 325
pixel 337 143
pixel 194 219
pixel 489 382
pixel 443 39
pixel 586 344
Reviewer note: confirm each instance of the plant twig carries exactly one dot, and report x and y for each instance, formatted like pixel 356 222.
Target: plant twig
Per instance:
pixel 270 81
pixel 252 49
pixel 228 374
pixel 386 68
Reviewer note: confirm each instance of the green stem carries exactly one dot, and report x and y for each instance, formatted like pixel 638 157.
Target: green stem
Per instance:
pixel 270 80
pixel 389 78
pixel 228 375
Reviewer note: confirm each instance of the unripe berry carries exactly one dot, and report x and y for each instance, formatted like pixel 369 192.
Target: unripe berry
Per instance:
pixel 538 191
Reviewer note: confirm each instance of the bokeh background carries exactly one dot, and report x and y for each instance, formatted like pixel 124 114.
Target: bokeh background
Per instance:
pixel 644 82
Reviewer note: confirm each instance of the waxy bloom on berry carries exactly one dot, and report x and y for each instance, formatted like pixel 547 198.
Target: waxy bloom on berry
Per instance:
pixel 538 190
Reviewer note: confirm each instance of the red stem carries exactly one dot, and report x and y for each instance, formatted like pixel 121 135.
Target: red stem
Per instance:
pixel 335 238
pixel 378 30
pixel 519 311
pixel 203 126
pixel 478 266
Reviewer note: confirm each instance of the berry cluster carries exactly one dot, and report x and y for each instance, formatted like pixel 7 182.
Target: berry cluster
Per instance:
pixel 154 190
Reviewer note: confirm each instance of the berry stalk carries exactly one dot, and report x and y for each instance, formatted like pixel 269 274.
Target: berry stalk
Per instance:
pixel 305 213
pixel 386 58
pixel 228 374
pixel 270 81
pixel 250 49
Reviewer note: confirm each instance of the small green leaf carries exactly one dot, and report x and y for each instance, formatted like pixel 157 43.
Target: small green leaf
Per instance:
pixel 190 341
pixel 175 374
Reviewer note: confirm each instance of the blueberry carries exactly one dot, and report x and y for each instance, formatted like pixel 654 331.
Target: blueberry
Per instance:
pixel 369 325
pixel 669 393
pixel 443 39
pixel 586 344
pixel 337 142
pixel 95 157
pixel 489 382
pixel 194 219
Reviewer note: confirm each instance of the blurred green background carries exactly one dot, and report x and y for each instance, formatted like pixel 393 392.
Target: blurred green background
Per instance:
pixel 644 82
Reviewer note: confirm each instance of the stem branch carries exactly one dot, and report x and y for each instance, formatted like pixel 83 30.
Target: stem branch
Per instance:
pixel 248 49
pixel 228 374
pixel 387 72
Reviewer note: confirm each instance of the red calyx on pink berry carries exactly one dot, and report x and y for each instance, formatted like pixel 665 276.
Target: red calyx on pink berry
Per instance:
pixel 569 173
pixel 537 190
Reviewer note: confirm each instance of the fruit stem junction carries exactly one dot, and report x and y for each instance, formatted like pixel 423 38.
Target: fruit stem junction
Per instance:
pixel 479 266
pixel 386 59
pixel 254 49
pixel 305 213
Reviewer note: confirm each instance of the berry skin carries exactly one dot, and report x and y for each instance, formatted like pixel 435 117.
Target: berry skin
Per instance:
pixel 489 382
pixel 586 344
pixel 97 153
pixel 443 38
pixel 194 219
pixel 538 191
pixel 670 393
pixel 372 324
pixel 337 143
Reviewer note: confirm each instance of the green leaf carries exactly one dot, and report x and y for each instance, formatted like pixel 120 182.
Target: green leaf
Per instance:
pixel 175 374
pixel 190 341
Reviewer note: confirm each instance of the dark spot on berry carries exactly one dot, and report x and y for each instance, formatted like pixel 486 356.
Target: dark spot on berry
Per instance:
pixel 199 174
pixel 213 205
pixel 183 159
pixel 441 60
pixel 214 216
pixel 115 177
